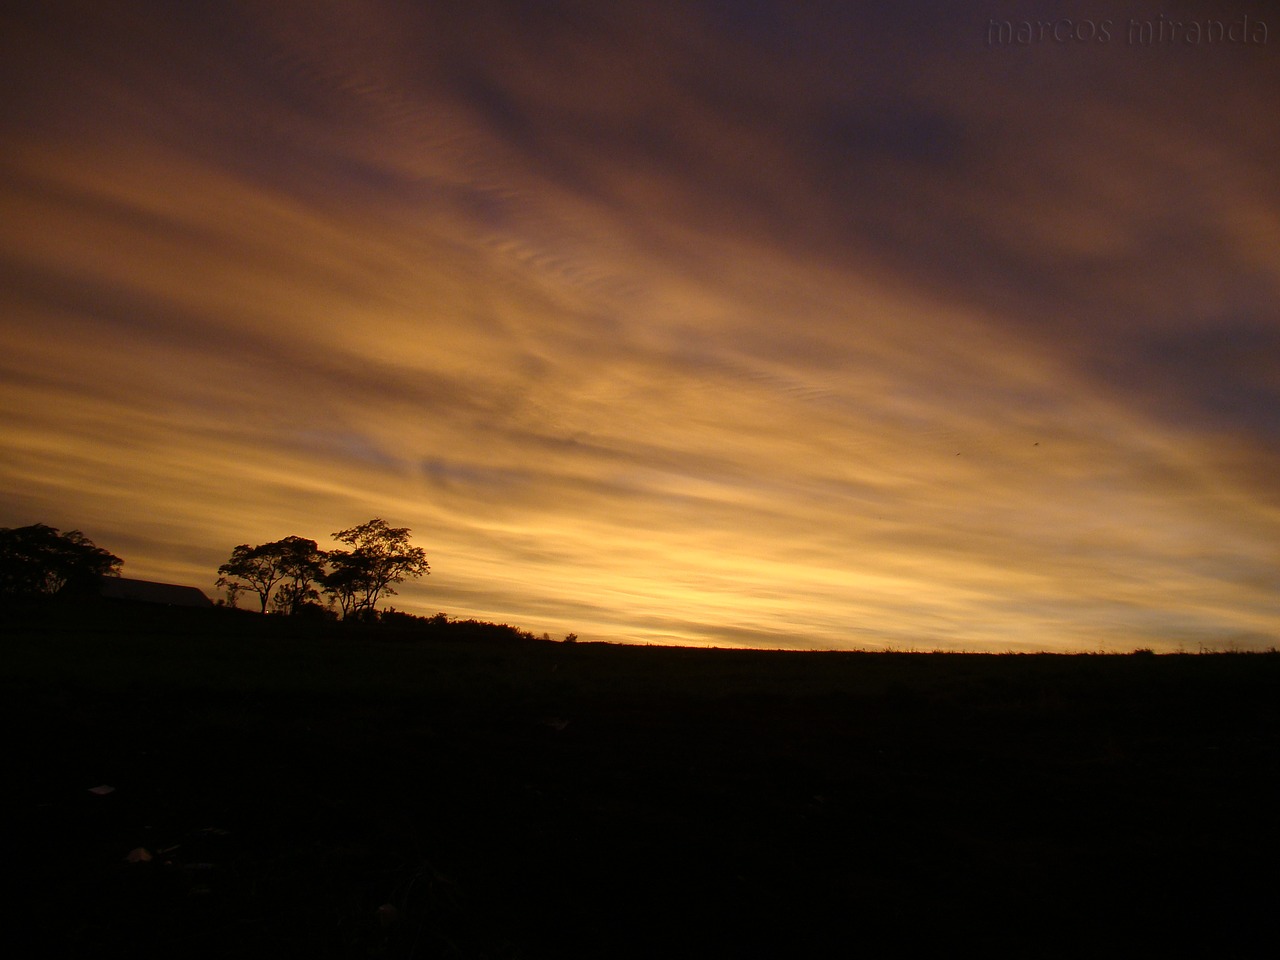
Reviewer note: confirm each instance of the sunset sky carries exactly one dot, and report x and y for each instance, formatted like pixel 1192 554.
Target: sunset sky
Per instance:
pixel 782 324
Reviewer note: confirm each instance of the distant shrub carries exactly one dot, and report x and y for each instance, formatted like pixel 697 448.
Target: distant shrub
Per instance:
pixel 483 631
pixel 440 626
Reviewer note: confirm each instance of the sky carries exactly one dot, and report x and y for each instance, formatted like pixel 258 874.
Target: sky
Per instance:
pixel 923 325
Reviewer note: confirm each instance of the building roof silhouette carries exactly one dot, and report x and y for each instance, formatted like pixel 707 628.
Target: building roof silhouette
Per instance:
pixel 149 591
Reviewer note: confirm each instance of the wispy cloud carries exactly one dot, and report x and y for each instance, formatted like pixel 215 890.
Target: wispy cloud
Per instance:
pixel 661 322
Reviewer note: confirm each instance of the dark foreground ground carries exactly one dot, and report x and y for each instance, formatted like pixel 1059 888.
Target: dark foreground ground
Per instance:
pixel 328 794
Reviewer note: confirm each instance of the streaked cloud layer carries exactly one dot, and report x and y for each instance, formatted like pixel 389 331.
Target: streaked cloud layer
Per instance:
pixel 755 323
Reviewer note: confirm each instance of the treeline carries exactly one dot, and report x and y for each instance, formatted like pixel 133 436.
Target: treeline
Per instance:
pixel 289 576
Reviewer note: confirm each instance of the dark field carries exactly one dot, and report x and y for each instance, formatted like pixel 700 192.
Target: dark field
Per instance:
pixel 319 792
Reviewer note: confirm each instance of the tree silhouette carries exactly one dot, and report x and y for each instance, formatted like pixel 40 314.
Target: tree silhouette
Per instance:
pixel 345 583
pixel 380 556
pixel 302 566
pixel 39 561
pixel 294 564
pixel 257 569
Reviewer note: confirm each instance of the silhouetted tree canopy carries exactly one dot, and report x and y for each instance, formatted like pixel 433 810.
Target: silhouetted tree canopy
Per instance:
pixel 39 561
pixel 294 569
pixel 302 565
pixel 380 556
pixel 256 569
pixel 345 583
